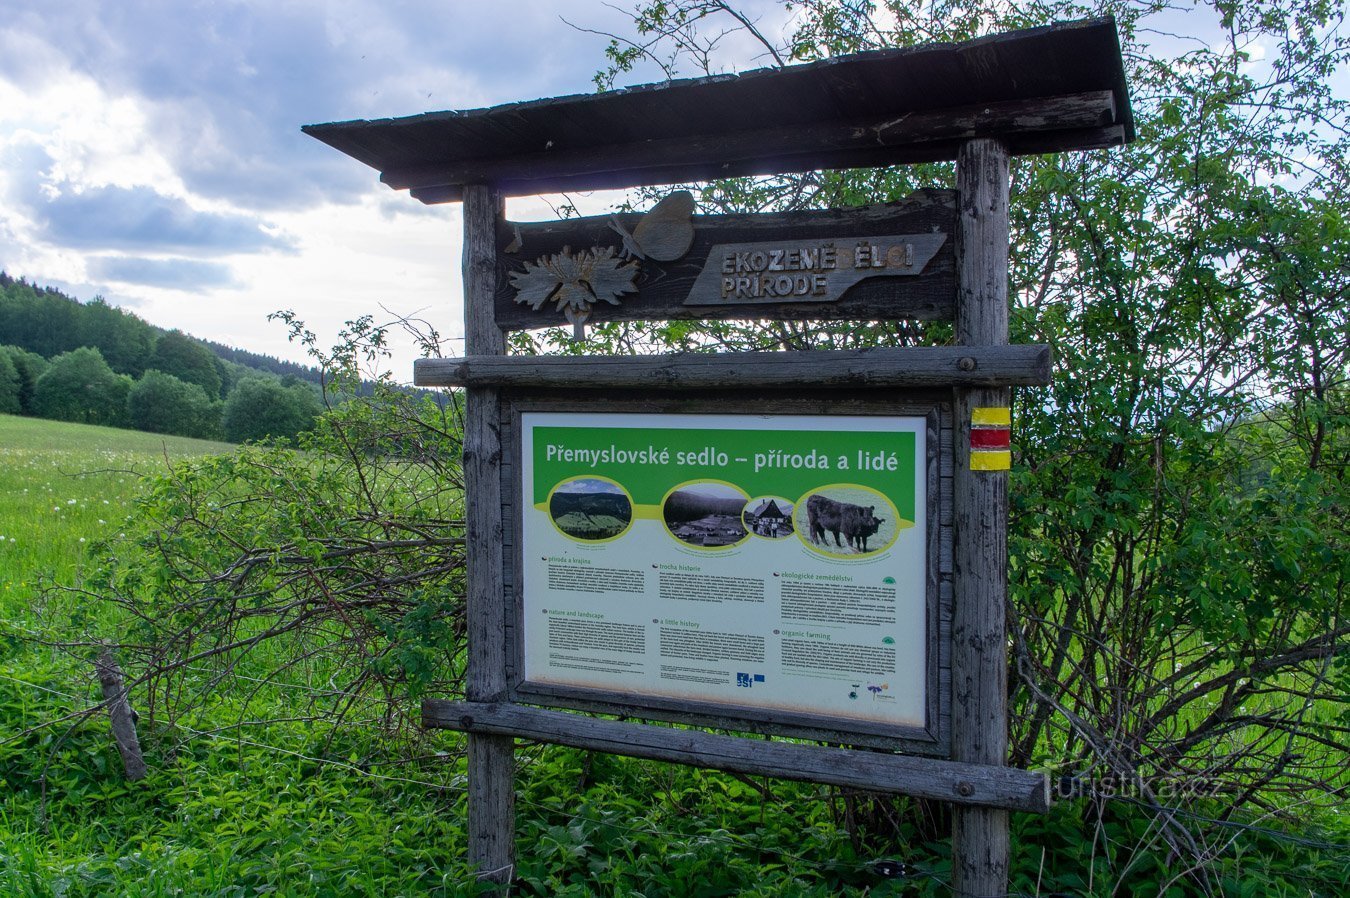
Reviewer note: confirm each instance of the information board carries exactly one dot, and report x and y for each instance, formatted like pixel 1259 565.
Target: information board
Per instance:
pixel 769 562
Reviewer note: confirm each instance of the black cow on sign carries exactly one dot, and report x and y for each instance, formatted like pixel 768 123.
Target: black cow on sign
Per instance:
pixel 856 523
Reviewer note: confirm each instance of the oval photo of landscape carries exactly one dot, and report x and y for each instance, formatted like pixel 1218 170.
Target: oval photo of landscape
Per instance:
pixel 846 520
pixel 590 509
pixel 706 514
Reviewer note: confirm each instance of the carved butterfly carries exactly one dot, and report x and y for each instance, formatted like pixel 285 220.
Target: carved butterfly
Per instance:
pixel 665 233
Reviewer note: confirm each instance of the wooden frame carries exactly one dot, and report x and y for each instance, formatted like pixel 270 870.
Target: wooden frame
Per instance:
pixel 931 739
pixel 977 684
pixel 976 735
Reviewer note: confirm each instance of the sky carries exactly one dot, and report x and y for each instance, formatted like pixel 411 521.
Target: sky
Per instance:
pixel 151 153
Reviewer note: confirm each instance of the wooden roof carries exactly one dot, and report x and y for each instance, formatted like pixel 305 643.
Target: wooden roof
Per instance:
pixel 1059 87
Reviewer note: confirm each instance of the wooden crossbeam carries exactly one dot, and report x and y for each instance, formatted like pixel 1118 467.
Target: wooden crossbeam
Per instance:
pixel 935 367
pixel 964 784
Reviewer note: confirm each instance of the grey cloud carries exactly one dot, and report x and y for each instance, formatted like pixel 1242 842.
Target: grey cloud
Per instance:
pixel 231 84
pixel 139 218
pixel 172 274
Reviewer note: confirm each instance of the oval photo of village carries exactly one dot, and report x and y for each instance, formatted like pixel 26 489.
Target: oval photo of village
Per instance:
pixel 847 520
pixel 768 517
pixel 590 509
pixel 705 514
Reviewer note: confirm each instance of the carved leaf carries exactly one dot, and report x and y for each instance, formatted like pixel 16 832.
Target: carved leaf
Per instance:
pixel 611 277
pixel 535 285
pixel 573 295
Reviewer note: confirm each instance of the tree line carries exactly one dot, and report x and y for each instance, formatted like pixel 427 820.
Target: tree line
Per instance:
pixel 96 364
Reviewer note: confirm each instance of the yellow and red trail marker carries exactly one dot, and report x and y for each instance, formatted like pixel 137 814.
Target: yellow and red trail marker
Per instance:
pixel 990 439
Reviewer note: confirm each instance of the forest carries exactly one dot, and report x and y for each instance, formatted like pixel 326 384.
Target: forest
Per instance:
pixel 1179 624
pixel 95 363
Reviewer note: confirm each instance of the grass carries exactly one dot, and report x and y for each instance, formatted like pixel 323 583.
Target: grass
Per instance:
pixel 291 808
pixel 64 486
pixel 216 816
pixel 278 808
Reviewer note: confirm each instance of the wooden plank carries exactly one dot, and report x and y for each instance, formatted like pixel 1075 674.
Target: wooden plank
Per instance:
pixel 491 758
pixel 120 715
pixel 918 282
pixel 937 705
pixel 943 563
pixel 1035 143
pixel 980 841
pixel 1104 138
pixel 915 367
pixel 913 740
pixel 962 784
pixel 718 402
pixel 829 141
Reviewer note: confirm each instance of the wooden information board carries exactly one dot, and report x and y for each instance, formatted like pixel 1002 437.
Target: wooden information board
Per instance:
pixel 660 537
pixel 759 565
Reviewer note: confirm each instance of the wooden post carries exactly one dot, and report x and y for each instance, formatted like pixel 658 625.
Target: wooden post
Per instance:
pixel 120 715
pixel 492 819
pixel 979 639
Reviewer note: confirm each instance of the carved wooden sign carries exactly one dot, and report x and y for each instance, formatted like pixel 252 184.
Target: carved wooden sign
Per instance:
pixel 876 262
pixel 807 271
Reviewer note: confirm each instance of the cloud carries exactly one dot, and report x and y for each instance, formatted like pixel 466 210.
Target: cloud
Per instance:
pixel 56 194
pixel 591 485
pixel 146 145
pixel 141 219
pixel 171 274
pixel 225 87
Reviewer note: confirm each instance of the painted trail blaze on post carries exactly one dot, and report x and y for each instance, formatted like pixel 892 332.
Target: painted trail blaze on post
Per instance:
pixel 990 439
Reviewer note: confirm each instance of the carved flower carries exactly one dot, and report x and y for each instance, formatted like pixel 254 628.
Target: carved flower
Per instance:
pixel 575 282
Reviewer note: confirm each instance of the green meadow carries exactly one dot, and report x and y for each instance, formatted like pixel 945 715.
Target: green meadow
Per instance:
pixel 64 487
pixel 256 793
pixel 292 806
pixel 217 815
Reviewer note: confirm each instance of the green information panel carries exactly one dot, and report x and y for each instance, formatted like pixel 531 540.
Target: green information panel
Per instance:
pixel 773 562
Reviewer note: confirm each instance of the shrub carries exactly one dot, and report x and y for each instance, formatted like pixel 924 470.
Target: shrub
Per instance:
pixel 79 386
pixel 161 403
pixel 261 408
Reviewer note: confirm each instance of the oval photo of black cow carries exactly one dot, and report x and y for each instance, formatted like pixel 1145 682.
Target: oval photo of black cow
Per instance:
pixel 846 520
